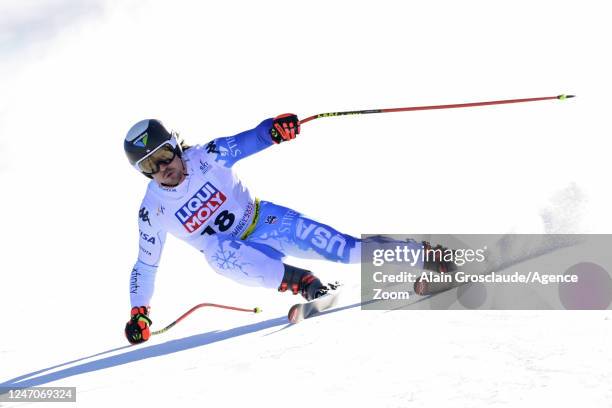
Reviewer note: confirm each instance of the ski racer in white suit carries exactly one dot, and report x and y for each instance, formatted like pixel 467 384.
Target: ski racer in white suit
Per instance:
pixel 195 196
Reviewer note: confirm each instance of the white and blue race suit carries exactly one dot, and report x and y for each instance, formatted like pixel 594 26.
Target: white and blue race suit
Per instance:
pixel 242 238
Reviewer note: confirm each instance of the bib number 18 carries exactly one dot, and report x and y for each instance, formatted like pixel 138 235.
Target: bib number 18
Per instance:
pixel 224 221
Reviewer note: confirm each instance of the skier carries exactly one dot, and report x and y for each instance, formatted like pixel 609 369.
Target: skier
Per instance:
pixel 195 196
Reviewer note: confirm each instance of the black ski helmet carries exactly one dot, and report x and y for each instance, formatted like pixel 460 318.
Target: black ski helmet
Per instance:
pixel 144 138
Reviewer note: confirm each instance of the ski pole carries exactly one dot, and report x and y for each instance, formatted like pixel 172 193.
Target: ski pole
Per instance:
pixel 415 108
pixel 187 313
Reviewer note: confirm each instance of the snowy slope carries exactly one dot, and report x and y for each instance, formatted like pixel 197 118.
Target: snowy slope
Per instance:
pixel 68 226
pixel 346 356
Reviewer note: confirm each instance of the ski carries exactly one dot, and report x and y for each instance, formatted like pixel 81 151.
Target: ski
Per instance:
pixel 508 252
pixel 301 311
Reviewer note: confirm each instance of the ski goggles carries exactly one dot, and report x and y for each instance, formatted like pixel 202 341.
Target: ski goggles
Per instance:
pixel 163 154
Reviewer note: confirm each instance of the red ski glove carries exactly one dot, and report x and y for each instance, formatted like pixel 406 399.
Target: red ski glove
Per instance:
pixel 285 127
pixel 137 329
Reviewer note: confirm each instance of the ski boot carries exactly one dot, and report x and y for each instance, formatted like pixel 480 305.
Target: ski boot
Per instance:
pixel 302 281
pixel 434 261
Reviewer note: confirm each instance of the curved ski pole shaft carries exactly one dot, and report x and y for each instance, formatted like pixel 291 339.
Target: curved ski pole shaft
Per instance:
pixel 187 313
pixel 415 108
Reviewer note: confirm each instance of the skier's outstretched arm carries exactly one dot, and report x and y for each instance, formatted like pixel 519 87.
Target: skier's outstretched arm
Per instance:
pixel 231 149
pixel 142 277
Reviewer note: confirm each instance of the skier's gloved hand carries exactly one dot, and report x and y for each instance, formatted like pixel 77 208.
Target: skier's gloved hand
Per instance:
pixel 285 127
pixel 137 329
